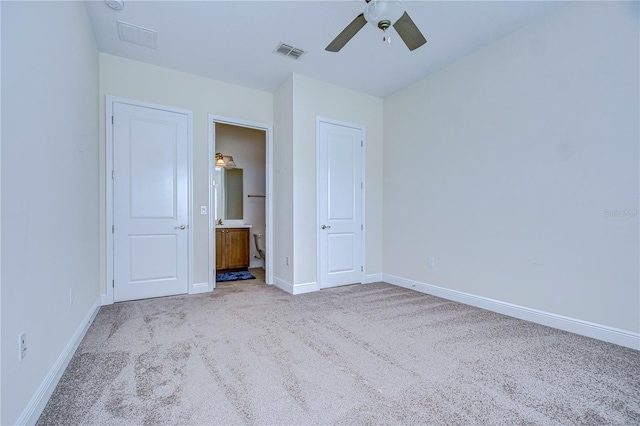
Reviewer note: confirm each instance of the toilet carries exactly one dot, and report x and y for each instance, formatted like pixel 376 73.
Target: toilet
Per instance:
pixel 258 239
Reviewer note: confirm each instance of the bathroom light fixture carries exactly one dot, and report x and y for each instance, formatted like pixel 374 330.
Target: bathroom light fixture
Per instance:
pixel 225 161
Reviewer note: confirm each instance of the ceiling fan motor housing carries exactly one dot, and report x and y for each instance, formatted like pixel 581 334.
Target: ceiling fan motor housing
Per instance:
pixel 384 24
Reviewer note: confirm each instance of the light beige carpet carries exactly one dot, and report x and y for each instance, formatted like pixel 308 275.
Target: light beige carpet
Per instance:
pixel 363 354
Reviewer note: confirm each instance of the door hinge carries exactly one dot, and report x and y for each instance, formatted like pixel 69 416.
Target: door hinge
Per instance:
pixel 113 283
pixel 112 120
pixel 112 174
pixel 361 185
pixel 113 229
pixel 361 227
pixel 362 144
pixel 362 269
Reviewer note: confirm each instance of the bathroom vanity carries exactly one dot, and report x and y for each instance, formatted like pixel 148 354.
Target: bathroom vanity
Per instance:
pixel 232 248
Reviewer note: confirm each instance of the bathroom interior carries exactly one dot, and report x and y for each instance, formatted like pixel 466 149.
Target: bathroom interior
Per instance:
pixel 240 203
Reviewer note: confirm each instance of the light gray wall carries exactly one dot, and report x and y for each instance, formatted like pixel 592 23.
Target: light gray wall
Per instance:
pixel 136 80
pixel 283 182
pixel 50 205
pixel 504 166
pixel 313 98
pixel 297 103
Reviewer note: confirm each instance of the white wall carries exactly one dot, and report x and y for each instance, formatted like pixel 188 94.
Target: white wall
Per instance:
pixel 283 183
pixel 50 206
pixel 0 206
pixel 312 98
pixel 136 80
pixel 248 149
pixel 503 165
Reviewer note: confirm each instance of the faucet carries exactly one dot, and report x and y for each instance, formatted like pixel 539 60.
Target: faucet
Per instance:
pixel 219 222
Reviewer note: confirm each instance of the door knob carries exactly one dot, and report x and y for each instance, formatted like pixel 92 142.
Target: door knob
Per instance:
pixel 180 227
pixel 325 227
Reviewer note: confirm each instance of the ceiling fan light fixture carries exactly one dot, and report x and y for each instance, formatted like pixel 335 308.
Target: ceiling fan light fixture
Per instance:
pixel 383 13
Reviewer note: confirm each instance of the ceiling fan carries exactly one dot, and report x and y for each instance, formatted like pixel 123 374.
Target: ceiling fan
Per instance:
pixel 382 14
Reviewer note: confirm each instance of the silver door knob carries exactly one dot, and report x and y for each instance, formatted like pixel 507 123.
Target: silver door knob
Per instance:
pixel 180 227
pixel 325 227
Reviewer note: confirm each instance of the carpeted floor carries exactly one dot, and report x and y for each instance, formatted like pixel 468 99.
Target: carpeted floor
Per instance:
pixel 363 354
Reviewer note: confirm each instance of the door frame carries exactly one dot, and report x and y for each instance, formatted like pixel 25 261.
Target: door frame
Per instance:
pixel 108 174
pixel 268 129
pixel 363 251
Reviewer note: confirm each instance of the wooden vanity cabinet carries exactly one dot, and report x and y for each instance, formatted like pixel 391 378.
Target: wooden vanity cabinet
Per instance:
pixel 232 249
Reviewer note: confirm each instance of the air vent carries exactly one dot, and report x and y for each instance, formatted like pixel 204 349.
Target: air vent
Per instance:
pixel 137 35
pixel 289 51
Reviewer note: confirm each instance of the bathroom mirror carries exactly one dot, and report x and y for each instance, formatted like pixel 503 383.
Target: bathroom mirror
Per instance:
pixel 229 194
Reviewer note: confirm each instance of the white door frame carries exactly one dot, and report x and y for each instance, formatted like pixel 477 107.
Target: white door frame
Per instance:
pixel 108 173
pixel 361 127
pixel 268 129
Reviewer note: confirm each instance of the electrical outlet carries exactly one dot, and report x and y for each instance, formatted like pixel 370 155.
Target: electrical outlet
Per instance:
pixel 71 296
pixel 432 262
pixel 203 210
pixel 22 346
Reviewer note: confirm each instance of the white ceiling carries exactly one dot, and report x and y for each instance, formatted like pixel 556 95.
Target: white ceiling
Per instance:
pixel 232 41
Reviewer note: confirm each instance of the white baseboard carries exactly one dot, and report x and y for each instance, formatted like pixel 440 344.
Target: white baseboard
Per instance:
pixel 39 400
pixel 104 301
pixel 297 288
pixel 372 278
pixel 572 325
pixel 198 288
pixel 314 286
pixel 283 285
pixel 305 288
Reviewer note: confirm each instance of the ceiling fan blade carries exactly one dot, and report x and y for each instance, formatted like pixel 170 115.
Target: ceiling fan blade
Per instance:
pixel 408 32
pixel 347 34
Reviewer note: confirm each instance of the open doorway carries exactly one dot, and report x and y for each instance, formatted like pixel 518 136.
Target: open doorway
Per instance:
pixel 240 237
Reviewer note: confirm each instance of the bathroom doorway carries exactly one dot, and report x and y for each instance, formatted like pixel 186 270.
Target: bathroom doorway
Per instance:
pixel 240 192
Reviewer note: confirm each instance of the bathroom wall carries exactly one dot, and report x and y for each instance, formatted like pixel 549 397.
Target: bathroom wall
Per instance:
pixel 248 149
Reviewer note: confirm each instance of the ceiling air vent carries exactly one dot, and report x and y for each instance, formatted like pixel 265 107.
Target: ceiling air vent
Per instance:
pixel 137 35
pixel 289 51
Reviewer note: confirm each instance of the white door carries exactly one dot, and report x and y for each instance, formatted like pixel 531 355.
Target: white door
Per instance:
pixel 150 202
pixel 340 189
